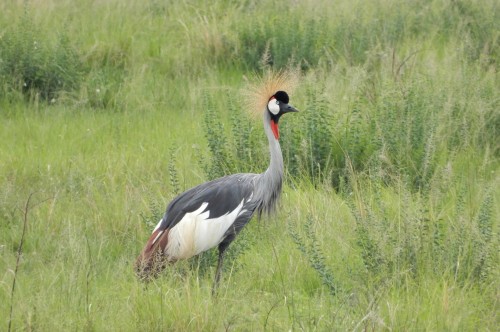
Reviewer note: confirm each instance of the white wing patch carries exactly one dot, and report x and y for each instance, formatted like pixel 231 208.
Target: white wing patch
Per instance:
pixel 157 226
pixel 157 237
pixel 196 233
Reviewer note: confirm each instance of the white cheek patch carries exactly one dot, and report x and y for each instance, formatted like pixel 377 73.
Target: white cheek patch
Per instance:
pixel 273 106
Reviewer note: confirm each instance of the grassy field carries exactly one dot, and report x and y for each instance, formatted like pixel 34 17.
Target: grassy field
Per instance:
pixel 389 218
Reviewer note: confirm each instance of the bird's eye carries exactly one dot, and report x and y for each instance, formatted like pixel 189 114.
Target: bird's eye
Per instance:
pixel 273 106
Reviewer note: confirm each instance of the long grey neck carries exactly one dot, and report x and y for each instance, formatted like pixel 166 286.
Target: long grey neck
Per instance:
pixel 270 182
pixel 274 172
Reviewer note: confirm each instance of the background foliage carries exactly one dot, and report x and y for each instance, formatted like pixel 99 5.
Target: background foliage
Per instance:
pixel 389 218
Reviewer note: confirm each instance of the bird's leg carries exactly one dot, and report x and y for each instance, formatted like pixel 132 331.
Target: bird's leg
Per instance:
pixel 219 271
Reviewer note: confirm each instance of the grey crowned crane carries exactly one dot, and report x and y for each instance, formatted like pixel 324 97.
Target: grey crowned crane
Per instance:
pixel 213 213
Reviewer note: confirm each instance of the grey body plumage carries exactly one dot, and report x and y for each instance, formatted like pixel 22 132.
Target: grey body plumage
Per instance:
pixel 227 204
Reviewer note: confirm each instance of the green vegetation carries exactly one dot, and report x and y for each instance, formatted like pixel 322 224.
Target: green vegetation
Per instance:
pixel 389 218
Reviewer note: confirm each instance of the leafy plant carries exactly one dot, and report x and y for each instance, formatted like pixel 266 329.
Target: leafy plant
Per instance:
pixel 309 247
pixel 415 244
pixel 239 149
pixel 172 171
pixel 32 63
pixel 221 161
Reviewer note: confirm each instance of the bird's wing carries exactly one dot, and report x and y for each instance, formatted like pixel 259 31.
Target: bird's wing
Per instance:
pixel 221 196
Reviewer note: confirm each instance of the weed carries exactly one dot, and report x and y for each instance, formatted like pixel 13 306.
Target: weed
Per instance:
pixel 309 247
pixel 483 246
pixel 221 162
pixel 30 62
pixel 172 171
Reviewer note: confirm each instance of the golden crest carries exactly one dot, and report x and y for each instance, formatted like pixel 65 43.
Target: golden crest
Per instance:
pixel 261 87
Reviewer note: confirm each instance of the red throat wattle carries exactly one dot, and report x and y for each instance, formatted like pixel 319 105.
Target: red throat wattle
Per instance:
pixel 274 128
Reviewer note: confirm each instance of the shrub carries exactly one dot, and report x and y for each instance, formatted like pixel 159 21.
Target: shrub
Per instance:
pixel 239 149
pixel 414 242
pixel 309 247
pixel 35 65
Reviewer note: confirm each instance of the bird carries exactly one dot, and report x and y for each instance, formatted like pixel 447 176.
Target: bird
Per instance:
pixel 213 213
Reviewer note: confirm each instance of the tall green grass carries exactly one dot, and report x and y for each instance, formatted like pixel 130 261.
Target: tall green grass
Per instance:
pixel 389 215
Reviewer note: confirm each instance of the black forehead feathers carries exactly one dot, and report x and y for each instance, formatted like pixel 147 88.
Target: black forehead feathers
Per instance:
pixel 282 96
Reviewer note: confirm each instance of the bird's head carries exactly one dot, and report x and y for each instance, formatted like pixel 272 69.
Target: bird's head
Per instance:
pixel 276 107
pixel 266 93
